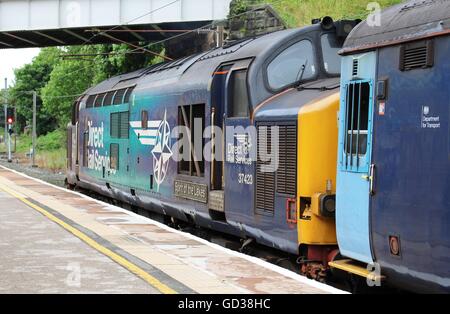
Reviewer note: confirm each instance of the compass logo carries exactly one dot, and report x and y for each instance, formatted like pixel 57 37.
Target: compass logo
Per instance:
pixel 157 135
pixel 161 151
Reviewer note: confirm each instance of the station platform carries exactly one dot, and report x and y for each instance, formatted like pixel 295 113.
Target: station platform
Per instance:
pixel 54 240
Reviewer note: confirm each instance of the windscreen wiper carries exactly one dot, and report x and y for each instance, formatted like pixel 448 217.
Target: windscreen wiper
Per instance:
pixel 299 77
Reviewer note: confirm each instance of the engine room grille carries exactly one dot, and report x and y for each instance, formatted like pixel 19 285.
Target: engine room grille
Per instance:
pixel 119 124
pixel 416 55
pixel 265 181
pixel 287 160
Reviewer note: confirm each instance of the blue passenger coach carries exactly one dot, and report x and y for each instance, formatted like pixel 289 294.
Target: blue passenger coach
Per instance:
pixel 393 179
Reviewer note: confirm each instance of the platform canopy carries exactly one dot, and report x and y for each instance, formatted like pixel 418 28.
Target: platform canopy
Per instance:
pixel 41 23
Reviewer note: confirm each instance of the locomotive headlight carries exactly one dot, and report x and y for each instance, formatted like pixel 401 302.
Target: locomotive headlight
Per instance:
pixel 327 205
pixel 330 205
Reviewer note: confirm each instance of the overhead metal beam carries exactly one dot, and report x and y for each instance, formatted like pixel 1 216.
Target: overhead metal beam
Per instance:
pixel 39 23
pixel 6 44
pixel 21 38
pixel 26 15
pixel 50 37
pixel 76 35
pixel 157 28
pixel 139 37
pixel 134 46
pixel 160 30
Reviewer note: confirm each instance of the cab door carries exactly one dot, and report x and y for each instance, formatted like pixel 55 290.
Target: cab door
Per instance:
pixel 238 168
pixel 355 168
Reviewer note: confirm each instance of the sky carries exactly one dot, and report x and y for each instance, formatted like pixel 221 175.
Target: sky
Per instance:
pixel 11 59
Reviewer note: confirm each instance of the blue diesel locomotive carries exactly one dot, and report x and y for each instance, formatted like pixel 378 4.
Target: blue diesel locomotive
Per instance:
pixel 393 174
pixel 123 135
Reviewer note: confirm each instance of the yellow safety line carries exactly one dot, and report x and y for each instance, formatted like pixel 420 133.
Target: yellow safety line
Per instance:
pixel 115 257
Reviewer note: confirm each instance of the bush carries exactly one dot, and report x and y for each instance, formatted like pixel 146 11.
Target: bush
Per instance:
pixel 52 141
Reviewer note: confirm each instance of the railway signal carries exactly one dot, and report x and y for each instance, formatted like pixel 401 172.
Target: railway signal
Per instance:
pixel 10 115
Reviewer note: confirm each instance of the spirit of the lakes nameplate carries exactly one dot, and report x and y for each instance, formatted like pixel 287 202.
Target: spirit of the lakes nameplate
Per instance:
pixel 192 191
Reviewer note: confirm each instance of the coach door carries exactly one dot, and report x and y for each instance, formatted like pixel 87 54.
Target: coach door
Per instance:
pixel 355 171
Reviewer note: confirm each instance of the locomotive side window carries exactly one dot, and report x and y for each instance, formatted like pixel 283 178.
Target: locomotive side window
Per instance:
pixel 357 118
pixel 144 119
pixel 128 95
pixel 114 155
pixel 99 100
pixel 293 63
pixel 193 118
pixel 331 59
pixel 238 105
pixel 118 97
pixel 75 112
pixel 85 148
pixel 90 101
pixel 108 99
pixel 119 124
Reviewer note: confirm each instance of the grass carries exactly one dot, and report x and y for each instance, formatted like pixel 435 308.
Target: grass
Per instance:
pixel 300 12
pixel 50 150
pixel 54 160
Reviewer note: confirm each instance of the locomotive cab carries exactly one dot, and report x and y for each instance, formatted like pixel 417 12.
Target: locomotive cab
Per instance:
pixel 393 157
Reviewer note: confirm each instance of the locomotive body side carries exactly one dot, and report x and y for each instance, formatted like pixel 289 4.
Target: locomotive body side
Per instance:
pixel 126 128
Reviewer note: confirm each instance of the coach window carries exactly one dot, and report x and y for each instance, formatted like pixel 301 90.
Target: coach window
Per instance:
pixel 291 65
pixel 238 105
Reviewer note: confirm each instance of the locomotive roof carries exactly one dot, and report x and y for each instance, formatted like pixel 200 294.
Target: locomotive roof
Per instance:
pixel 413 20
pixel 205 63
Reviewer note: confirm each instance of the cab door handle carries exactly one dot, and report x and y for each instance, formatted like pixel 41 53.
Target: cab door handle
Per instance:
pixel 370 177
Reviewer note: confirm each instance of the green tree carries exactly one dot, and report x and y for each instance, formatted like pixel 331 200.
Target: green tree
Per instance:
pixel 69 78
pixel 33 77
pixel 86 66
